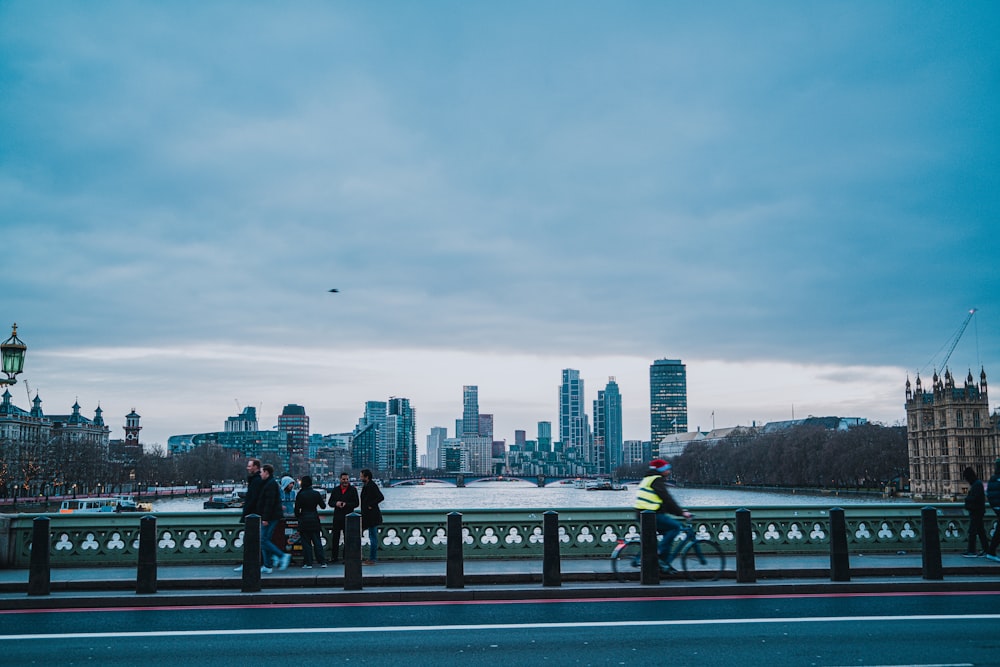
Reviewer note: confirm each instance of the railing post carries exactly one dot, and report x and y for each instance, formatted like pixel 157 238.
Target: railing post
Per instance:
pixel 650 572
pixel 39 574
pixel 145 576
pixel 455 568
pixel 352 552
pixel 251 554
pixel 840 565
pixel 930 541
pixel 551 573
pixel 746 568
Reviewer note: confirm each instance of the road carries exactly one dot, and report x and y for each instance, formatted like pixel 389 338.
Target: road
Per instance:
pixel 745 630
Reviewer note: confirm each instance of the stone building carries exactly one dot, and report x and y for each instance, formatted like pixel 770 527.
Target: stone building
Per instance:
pixel 948 428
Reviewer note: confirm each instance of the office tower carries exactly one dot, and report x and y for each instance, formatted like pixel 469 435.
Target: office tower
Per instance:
pixel 401 435
pixel 520 437
pixel 375 414
pixel 435 441
pixel 470 410
pixel 545 436
pixel 486 426
pixel 294 422
pixel 572 419
pixel 667 400
pixel 608 425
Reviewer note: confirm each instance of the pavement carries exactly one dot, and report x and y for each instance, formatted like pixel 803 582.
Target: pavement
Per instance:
pixel 408 581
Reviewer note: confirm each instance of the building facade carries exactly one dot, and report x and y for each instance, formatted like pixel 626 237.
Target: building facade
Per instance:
pixel 948 428
pixel 608 428
pixel 667 400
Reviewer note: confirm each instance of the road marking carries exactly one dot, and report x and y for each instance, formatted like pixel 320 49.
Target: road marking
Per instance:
pixel 494 626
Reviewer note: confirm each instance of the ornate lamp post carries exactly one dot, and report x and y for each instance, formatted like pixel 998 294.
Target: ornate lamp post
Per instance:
pixel 12 354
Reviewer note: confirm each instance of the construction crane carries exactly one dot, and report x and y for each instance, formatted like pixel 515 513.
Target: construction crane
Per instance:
pixel 956 338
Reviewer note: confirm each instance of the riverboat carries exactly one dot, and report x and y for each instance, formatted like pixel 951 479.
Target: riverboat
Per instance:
pixel 110 504
pixel 605 485
pixel 234 500
pixel 130 504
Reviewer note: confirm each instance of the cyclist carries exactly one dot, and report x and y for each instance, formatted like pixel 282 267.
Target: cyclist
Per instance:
pixel 653 495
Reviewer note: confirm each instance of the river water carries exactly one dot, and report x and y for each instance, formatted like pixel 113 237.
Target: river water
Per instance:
pixel 518 495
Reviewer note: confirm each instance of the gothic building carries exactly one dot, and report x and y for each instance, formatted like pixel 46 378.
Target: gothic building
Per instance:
pixel 948 428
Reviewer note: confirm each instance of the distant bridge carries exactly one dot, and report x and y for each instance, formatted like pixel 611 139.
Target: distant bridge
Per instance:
pixel 460 479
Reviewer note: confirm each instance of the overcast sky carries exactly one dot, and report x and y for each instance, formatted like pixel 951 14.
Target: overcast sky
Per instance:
pixel 799 200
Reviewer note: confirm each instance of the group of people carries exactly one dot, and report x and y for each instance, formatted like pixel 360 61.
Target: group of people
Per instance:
pixel 274 502
pixel 976 500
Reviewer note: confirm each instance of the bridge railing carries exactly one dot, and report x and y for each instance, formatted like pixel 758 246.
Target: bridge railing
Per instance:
pixel 217 537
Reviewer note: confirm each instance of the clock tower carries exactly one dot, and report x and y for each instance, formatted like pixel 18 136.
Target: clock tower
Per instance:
pixel 132 429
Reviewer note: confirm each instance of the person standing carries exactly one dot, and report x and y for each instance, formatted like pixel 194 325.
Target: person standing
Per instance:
pixel 993 498
pixel 975 505
pixel 653 495
pixel 371 515
pixel 288 496
pixel 308 502
pixel 271 514
pixel 252 498
pixel 343 500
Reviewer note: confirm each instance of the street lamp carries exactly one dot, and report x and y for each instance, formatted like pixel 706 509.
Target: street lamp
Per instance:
pixel 12 354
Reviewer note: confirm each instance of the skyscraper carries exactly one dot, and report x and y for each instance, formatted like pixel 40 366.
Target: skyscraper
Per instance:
pixel 401 435
pixel 572 418
pixel 667 400
pixel 294 422
pixel 435 441
pixel 470 410
pixel 608 426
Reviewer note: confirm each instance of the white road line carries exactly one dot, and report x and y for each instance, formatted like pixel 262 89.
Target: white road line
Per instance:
pixel 491 626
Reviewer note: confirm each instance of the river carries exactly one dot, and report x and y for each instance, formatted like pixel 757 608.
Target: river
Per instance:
pixel 518 495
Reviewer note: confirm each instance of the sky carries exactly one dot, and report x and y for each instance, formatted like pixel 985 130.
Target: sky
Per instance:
pixel 799 200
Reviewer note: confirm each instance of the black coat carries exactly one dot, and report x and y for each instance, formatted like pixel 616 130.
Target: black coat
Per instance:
pixel 307 504
pixel 349 497
pixel 269 508
pixel 371 496
pixel 975 500
pixel 251 501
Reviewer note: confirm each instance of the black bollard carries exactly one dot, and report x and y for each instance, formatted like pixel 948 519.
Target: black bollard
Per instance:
pixel 352 552
pixel 145 576
pixel 551 574
pixel 39 574
pixel 455 568
pixel 930 540
pixel 746 568
pixel 251 554
pixel 840 564
pixel 650 574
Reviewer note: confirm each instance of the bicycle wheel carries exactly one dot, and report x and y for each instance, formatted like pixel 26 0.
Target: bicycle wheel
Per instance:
pixel 625 559
pixel 703 560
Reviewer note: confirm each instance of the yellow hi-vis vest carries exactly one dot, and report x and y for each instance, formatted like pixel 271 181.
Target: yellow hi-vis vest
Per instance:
pixel 646 498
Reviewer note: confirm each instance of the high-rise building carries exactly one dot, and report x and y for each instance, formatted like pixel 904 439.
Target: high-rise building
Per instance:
pixel 375 415
pixel 401 435
pixel 435 440
pixel 947 429
pixel 545 436
pixel 608 426
pixel 573 425
pixel 486 426
pixel 470 410
pixel 667 400
pixel 294 423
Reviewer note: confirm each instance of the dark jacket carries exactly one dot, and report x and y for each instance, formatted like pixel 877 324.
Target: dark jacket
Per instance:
pixel 307 504
pixel 252 500
pixel 371 496
pixel 269 507
pixel 993 492
pixel 975 500
pixel 349 497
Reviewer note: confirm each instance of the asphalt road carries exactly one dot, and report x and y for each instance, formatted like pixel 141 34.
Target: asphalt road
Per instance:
pixel 745 630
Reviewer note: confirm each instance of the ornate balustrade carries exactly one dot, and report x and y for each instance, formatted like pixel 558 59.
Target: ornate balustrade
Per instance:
pixel 207 537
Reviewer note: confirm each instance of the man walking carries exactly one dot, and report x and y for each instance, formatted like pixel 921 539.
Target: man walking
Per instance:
pixel 252 499
pixel 371 515
pixel 271 514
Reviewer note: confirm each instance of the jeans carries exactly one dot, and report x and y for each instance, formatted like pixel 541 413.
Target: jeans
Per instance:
pixel 373 543
pixel 267 547
pixel 312 542
pixel 669 528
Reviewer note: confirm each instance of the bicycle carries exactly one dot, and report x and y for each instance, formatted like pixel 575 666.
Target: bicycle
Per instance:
pixel 700 559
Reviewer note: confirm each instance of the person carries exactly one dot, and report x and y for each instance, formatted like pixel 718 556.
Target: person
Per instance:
pixel 252 498
pixel 288 495
pixel 653 495
pixel 371 515
pixel 975 505
pixel 271 514
pixel 993 498
pixel 308 502
pixel 343 500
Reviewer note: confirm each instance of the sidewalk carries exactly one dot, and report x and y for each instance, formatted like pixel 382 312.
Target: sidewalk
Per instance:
pixel 483 579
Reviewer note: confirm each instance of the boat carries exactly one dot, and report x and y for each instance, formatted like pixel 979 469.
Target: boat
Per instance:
pixel 605 485
pixel 109 504
pixel 234 500
pixel 130 504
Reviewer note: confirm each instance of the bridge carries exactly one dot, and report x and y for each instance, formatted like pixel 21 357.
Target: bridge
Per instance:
pixel 467 479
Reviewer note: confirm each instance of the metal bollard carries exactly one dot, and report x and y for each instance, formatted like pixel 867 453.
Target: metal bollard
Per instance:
pixel 746 567
pixel 840 565
pixel 455 568
pixel 352 552
pixel 145 575
pixel 650 573
pixel 251 554
pixel 930 541
pixel 551 573
pixel 40 573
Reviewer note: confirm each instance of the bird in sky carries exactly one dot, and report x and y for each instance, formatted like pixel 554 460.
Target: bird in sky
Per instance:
pixel 334 290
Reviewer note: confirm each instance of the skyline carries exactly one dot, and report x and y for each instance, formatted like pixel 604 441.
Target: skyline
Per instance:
pixel 798 202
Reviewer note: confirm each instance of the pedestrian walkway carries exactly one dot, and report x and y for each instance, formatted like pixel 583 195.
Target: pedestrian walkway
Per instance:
pixel 413 580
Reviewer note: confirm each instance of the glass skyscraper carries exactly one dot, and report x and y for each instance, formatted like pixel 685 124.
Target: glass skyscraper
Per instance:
pixel 608 426
pixel 667 400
